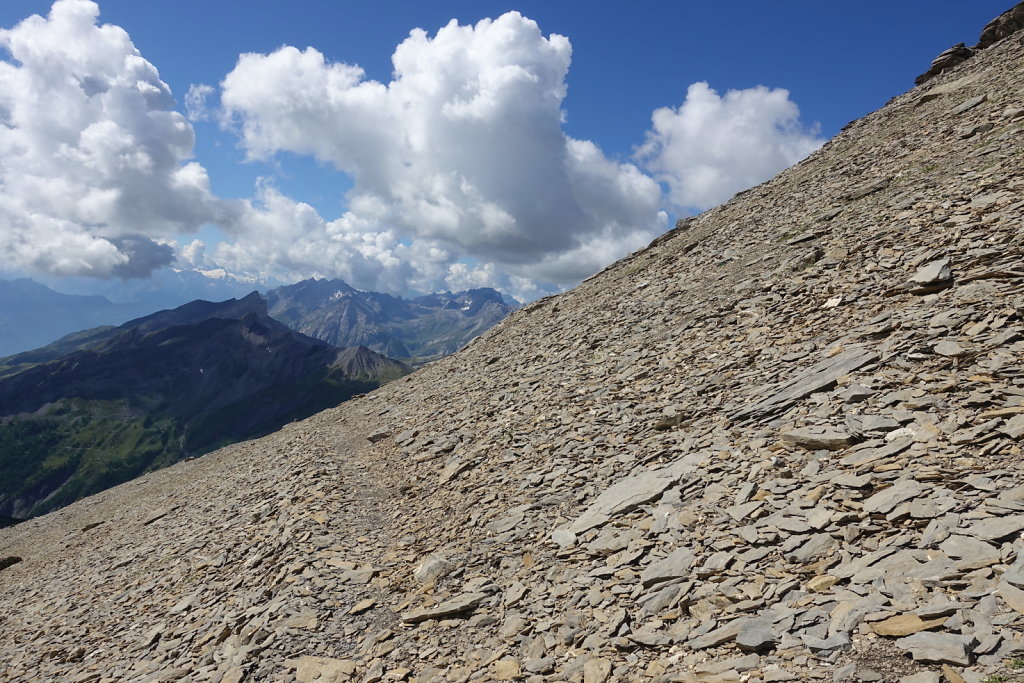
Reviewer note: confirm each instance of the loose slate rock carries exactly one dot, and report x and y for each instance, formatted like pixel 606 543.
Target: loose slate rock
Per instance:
pixel 596 670
pixel 885 501
pixel 995 528
pixel 159 514
pixel 718 636
pixel 676 566
pixel 459 605
pixel 967 548
pixel 816 546
pixel 838 641
pixel 950 349
pixel 432 568
pixel 628 494
pixel 968 105
pixel 815 439
pixel 322 669
pixel 938 648
pixel 905 625
pixel 814 379
pixel 756 635
pixel 563 538
pixel 8 561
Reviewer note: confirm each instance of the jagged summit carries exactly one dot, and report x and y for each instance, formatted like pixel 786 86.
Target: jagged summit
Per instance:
pixel 417 330
pixel 191 313
pixel 780 444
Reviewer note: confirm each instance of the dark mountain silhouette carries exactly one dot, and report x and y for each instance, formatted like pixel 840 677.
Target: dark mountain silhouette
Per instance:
pixel 105 405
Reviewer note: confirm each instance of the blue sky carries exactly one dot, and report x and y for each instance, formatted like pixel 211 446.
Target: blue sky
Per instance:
pixel 837 62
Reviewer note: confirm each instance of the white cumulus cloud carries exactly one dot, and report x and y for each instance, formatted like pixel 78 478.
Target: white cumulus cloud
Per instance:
pixel 94 163
pixel 461 172
pixel 713 146
pixel 195 101
pixel 461 156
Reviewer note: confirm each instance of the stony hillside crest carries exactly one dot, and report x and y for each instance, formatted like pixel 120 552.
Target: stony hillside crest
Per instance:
pixel 783 443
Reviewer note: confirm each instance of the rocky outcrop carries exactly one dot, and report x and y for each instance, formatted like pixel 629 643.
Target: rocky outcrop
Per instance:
pixel 946 60
pixel 838 494
pixel 1006 24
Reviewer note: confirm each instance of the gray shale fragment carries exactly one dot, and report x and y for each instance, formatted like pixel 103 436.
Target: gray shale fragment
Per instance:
pixel 676 566
pixel 938 648
pixel 818 438
pixel 459 605
pixel 814 379
pixel 629 493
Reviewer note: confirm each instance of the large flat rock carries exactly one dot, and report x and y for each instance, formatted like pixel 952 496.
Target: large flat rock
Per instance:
pixel 629 493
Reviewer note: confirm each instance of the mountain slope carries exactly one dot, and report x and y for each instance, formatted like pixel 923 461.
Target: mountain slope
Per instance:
pixel 173 384
pixel 418 329
pixel 781 443
pixel 32 314
pixel 95 338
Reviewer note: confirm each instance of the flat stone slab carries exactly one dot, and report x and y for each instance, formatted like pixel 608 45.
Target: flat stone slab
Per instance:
pixel 817 439
pixel 905 625
pixel 938 648
pixel 756 635
pixel 676 566
pixel 1011 595
pixel 629 493
pixel 159 514
pixel 885 501
pixel 867 455
pixel 510 520
pixel 563 538
pixel 837 641
pixel 309 669
pixel 431 568
pixel 716 637
pixel 1014 427
pixel 815 547
pixel 968 105
pixel 932 273
pixel 995 528
pixel 814 379
pixel 450 608
pixel 968 548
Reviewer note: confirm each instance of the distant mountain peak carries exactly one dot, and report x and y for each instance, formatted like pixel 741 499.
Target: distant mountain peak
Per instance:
pixel 206 373
pixel 417 329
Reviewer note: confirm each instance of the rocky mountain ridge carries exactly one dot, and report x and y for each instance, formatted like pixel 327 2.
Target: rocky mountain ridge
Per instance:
pixel 416 330
pixel 782 443
pixel 103 406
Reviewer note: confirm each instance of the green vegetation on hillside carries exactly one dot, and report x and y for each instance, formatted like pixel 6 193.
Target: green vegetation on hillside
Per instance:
pixel 79 447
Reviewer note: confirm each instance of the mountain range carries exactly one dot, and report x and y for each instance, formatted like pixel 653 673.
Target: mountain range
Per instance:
pixel 416 330
pixel 32 314
pixel 105 405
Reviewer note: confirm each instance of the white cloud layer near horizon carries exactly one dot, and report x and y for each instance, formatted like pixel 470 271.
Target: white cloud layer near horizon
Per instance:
pixel 462 174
